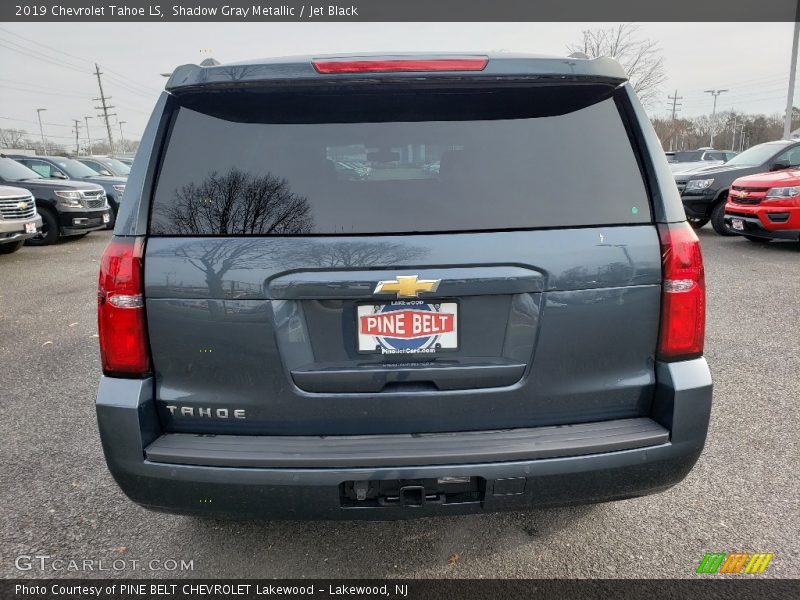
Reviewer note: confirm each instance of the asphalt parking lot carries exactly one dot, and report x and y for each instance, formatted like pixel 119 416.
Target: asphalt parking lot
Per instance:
pixel 59 500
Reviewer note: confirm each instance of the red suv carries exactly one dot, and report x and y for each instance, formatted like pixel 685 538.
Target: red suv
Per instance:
pixel 765 206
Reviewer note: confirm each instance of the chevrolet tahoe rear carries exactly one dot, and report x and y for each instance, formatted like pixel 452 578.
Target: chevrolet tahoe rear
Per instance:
pixel 378 287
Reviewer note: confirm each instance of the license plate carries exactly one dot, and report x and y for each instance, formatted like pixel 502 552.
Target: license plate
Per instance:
pixel 737 224
pixel 30 227
pixel 106 218
pixel 407 327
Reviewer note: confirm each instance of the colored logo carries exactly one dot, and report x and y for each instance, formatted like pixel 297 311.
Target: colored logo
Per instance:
pixel 734 562
pixel 407 286
pixel 408 327
pixel 22 205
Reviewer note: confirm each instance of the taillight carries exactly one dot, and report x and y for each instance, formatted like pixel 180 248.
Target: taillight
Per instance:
pixel 387 65
pixel 120 309
pixel 683 297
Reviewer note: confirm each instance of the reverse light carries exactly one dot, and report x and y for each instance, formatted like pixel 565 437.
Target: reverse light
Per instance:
pixel 388 65
pixel 683 295
pixel 120 309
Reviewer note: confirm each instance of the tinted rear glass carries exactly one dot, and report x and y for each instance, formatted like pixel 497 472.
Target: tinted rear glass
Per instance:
pixel 226 172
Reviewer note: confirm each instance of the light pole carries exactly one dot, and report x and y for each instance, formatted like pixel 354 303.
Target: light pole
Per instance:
pixel 88 135
pixel 122 137
pixel 787 122
pixel 714 93
pixel 39 112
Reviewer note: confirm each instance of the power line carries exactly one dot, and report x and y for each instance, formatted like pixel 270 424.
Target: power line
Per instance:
pixel 34 50
pixel 136 110
pixel 40 44
pixel 81 58
pixel 42 57
pixel 43 93
pixel 126 80
pixel 34 122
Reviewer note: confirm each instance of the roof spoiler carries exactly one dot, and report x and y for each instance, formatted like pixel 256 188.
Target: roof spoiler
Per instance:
pixel 296 69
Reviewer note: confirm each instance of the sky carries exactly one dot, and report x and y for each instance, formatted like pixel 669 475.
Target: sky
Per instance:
pixel 50 65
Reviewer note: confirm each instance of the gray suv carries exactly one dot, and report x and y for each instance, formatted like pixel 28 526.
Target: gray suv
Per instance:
pixel 390 286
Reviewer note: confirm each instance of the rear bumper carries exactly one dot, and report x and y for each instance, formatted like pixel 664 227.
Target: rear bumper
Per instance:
pixel 550 474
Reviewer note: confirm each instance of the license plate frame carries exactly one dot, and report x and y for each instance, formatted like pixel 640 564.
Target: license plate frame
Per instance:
pixel 106 218
pixel 30 227
pixel 737 224
pixel 405 346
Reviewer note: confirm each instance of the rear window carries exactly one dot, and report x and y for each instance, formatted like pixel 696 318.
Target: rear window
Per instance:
pixel 401 164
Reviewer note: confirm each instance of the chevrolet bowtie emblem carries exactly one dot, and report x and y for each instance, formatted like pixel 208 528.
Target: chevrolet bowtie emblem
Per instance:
pixel 22 205
pixel 741 193
pixel 407 286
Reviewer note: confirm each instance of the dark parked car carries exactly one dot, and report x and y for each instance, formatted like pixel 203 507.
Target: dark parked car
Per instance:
pixel 285 336
pixel 18 218
pixel 66 207
pixel 705 191
pixel 106 166
pixel 58 167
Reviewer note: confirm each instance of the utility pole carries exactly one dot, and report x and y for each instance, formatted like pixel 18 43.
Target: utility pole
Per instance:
pixel 104 107
pixel 121 136
pixel 88 134
pixel 675 107
pixel 77 129
pixel 733 136
pixel 787 122
pixel 714 93
pixel 39 112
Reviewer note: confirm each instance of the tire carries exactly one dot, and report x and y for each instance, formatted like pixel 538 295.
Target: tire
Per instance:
pixel 753 238
pixel 718 220
pixel 49 232
pixel 697 222
pixel 11 248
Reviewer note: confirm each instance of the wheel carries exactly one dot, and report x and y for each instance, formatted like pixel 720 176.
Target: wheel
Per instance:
pixel 49 232
pixel 697 222
pixel 12 247
pixel 718 220
pixel 754 238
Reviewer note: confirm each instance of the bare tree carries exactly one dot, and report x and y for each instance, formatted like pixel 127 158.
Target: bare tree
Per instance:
pixel 729 125
pixel 641 58
pixel 13 138
pixel 235 203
